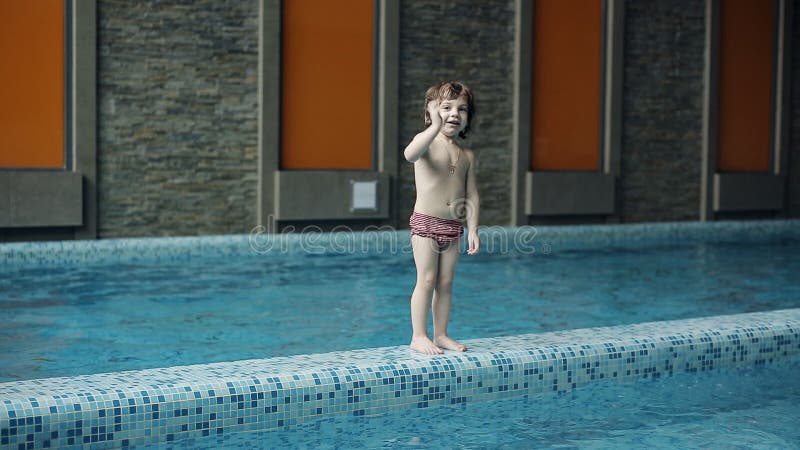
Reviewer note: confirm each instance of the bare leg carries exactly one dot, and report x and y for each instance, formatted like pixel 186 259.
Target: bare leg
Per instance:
pixel 442 298
pixel 426 258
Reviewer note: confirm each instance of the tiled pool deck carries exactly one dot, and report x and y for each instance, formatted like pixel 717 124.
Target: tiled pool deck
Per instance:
pixel 133 408
pixel 161 405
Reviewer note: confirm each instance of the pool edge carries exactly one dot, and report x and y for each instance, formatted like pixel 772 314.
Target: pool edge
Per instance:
pixel 540 239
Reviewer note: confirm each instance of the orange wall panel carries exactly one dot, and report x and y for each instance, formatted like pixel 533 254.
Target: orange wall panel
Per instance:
pixel 565 110
pixel 747 47
pixel 32 77
pixel 327 84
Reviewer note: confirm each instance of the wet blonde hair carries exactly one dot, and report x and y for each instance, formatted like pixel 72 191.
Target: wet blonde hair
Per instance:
pixel 450 90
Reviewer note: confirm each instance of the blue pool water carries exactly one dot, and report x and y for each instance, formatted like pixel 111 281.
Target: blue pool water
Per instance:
pixel 752 408
pixel 208 309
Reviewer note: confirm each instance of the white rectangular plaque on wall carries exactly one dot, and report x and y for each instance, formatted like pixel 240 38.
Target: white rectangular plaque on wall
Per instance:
pixel 365 195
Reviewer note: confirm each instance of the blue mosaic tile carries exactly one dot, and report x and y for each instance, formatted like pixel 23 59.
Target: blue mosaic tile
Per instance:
pixel 164 405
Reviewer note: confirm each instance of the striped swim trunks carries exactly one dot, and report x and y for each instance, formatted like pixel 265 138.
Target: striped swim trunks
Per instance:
pixel 443 231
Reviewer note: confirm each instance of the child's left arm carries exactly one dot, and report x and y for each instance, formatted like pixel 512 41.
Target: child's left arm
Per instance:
pixel 473 205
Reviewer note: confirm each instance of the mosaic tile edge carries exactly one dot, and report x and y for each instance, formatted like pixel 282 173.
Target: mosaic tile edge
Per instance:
pixel 161 405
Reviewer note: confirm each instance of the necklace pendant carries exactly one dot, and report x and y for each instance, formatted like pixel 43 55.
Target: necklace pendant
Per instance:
pixel 452 169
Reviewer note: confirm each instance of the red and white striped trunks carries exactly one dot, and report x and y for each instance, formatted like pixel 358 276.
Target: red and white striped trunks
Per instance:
pixel 443 231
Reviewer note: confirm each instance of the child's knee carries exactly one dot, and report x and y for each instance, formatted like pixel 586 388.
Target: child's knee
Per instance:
pixel 427 281
pixel 444 284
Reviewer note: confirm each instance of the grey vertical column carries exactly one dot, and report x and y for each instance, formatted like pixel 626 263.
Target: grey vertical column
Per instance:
pixel 614 67
pixel 84 114
pixel 388 65
pixel 783 77
pixel 710 111
pixel 269 96
pixel 521 141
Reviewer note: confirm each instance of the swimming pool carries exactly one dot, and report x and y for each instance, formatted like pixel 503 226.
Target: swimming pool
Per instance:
pixel 629 274
pixel 161 308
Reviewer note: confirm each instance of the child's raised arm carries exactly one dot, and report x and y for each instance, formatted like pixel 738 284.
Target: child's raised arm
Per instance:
pixel 419 145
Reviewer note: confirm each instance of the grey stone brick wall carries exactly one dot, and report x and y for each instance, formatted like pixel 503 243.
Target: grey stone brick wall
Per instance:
pixel 177 117
pixel 177 109
pixel 662 110
pixel 472 41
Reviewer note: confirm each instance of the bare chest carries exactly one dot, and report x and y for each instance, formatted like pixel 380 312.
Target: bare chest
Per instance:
pixel 445 163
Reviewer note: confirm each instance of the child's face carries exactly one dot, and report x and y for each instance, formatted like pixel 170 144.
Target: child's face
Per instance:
pixel 454 115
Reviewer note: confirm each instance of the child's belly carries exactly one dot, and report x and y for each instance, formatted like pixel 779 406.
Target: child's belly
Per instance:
pixel 443 203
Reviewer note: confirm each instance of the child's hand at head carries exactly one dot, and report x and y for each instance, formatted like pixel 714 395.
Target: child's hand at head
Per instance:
pixel 433 112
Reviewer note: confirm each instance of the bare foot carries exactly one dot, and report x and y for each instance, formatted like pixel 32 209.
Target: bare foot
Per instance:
pixel 450 344
pixel 424 345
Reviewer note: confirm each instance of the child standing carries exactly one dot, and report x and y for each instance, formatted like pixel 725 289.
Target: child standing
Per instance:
pixel 447 194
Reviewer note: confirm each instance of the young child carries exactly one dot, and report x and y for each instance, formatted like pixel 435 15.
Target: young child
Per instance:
pixel 447 194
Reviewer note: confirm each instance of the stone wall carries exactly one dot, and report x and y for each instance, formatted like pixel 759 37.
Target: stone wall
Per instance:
pixel 662 106
pixel 472 42
pixel 662 110
pixel 177 117
pixel 177 109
